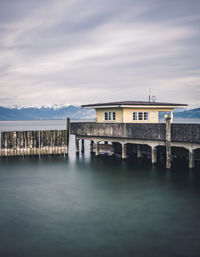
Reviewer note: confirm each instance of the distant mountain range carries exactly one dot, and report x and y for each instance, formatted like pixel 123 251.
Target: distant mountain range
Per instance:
pixel 45 113
pixel 189 114
pixel 62 112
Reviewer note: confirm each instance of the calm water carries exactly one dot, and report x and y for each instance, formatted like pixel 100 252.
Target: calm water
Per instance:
pixel 87 206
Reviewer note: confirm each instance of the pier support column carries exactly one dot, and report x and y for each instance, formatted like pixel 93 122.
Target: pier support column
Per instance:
pixel 168 143
pixel 139 154
pixel 124 151
pixel 91 146
pixel 191 159
pixel 82 146
pixel 77 144
pixel 153 155
pixel 97 149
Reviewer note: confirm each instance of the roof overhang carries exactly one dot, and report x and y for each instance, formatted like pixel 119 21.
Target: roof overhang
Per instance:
pixel 135 106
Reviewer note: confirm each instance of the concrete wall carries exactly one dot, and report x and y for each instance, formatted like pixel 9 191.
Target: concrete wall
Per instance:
pixel 180 132
pixel 186 132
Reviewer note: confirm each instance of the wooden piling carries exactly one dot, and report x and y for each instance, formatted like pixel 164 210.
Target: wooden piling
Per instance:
pixel 67 136
pixel 6 144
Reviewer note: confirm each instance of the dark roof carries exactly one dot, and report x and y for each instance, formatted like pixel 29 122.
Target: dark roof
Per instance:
pixel 135 103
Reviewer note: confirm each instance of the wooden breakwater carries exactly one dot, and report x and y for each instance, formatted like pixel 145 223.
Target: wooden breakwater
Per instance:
pixel 35 143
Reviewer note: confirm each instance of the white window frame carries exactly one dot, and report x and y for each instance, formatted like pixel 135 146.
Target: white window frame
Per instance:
pixel 135 115
pixel 141 116
pixel 111 116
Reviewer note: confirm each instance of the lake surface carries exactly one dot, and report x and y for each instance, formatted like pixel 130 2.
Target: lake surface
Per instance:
pixel 88 206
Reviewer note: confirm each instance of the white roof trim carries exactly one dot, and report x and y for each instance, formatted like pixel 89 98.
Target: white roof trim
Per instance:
pixel 149 106
pixel 103 106
pixel 135 106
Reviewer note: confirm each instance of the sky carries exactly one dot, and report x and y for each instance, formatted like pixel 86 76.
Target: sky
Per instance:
pixel 81 51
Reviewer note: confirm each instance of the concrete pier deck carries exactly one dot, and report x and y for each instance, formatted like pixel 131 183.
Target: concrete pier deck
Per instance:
pixel 166 135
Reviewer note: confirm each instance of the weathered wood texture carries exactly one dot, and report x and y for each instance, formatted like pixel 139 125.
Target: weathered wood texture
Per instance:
pixel 38 143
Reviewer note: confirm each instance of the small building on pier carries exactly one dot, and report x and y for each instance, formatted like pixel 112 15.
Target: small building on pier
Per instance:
pixel 132 111
pixel 133 128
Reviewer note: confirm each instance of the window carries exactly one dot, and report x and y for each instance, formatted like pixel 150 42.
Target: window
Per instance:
pixel 106 116
pixel 109 116
pixel 146 115
pixel 140 116
pixel 135 115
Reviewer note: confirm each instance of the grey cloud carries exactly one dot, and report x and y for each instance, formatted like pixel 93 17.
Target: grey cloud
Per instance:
pixel 85 51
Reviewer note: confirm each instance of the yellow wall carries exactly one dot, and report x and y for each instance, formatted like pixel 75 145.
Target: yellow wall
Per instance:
pixel 118 114
pixel 126 114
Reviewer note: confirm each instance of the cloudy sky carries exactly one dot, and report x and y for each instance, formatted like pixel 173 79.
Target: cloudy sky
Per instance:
pixel 87 51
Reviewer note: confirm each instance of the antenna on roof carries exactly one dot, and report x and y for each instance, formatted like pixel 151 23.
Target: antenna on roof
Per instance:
pixel 151 98
pixel 149 94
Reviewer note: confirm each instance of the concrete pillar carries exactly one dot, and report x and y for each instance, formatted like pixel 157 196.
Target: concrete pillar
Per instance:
pixel 124 151
pixel 153 155
pixel 82 146
pixel 97 149
pixel 91 146
pixel 191 159
pixel 168 143
pixel 77 144
pixel 139 154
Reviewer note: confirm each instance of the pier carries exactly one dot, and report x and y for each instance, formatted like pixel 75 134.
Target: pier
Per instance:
pixel 166 139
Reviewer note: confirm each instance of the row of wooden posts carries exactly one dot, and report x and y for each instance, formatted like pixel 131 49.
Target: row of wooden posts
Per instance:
pixel 35 143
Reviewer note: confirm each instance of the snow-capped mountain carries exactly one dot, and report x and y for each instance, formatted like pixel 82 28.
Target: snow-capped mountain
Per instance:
pixel 45 112
pixel 63 111
pixel 39 106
